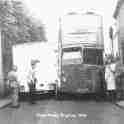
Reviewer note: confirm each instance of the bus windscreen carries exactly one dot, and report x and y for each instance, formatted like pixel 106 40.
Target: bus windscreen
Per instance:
pixel 92 56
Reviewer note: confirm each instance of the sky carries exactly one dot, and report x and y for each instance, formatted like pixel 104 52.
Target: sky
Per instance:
pixel 49 11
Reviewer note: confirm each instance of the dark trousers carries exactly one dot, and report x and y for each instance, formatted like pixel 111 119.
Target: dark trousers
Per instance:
pixel 111 95
pixel 32 90
pixel 120 87
pixel 15 96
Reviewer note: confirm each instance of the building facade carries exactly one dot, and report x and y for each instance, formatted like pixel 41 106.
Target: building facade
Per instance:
pixel 119 35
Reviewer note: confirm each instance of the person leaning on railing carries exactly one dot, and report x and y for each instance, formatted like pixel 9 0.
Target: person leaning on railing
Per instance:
pixel 14 86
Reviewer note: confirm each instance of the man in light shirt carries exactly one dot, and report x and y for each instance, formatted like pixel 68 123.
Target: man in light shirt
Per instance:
pixel 110 79
pixel 32 80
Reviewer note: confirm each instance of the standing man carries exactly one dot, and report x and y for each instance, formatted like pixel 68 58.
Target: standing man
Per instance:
pixel 14 86
pixel 110 79
pixel 32 80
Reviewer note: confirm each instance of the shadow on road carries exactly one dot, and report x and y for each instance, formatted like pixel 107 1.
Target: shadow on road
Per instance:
pixel 81 97
pixel 64 96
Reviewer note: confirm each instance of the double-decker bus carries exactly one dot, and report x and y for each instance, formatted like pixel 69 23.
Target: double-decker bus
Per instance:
pixel 80 50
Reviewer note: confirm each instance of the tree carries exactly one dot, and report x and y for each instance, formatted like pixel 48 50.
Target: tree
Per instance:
pixel 17 27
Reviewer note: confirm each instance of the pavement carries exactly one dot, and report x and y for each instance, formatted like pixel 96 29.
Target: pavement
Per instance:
pixel 4 102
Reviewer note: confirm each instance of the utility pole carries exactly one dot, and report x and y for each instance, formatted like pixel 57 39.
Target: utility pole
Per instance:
pixel 111 37
pixel 1 66
pixel 59 56
pixel 60 47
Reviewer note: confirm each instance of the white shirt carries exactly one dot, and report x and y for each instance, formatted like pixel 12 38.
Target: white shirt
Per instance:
pixel 31 75
pixel 110 77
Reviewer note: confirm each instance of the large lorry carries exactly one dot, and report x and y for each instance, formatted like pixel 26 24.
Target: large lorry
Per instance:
pixel 80 52
pixel 46 69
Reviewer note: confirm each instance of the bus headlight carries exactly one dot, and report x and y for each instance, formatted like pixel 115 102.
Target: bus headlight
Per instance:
pixel 64 79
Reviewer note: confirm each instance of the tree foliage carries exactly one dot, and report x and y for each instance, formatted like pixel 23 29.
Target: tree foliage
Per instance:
pixel 17 25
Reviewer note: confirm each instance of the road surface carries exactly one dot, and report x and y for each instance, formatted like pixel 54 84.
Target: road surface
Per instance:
pixel 51 111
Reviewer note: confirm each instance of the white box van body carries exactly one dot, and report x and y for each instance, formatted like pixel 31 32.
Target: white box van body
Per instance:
pixel 46 69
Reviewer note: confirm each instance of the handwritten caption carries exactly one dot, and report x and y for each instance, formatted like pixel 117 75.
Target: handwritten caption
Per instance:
pixel 61 115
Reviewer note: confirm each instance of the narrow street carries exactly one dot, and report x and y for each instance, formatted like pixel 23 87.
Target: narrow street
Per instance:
pixel 51 111
pixel 66 55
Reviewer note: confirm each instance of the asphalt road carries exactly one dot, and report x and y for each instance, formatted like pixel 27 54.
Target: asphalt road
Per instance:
pixel 51 111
